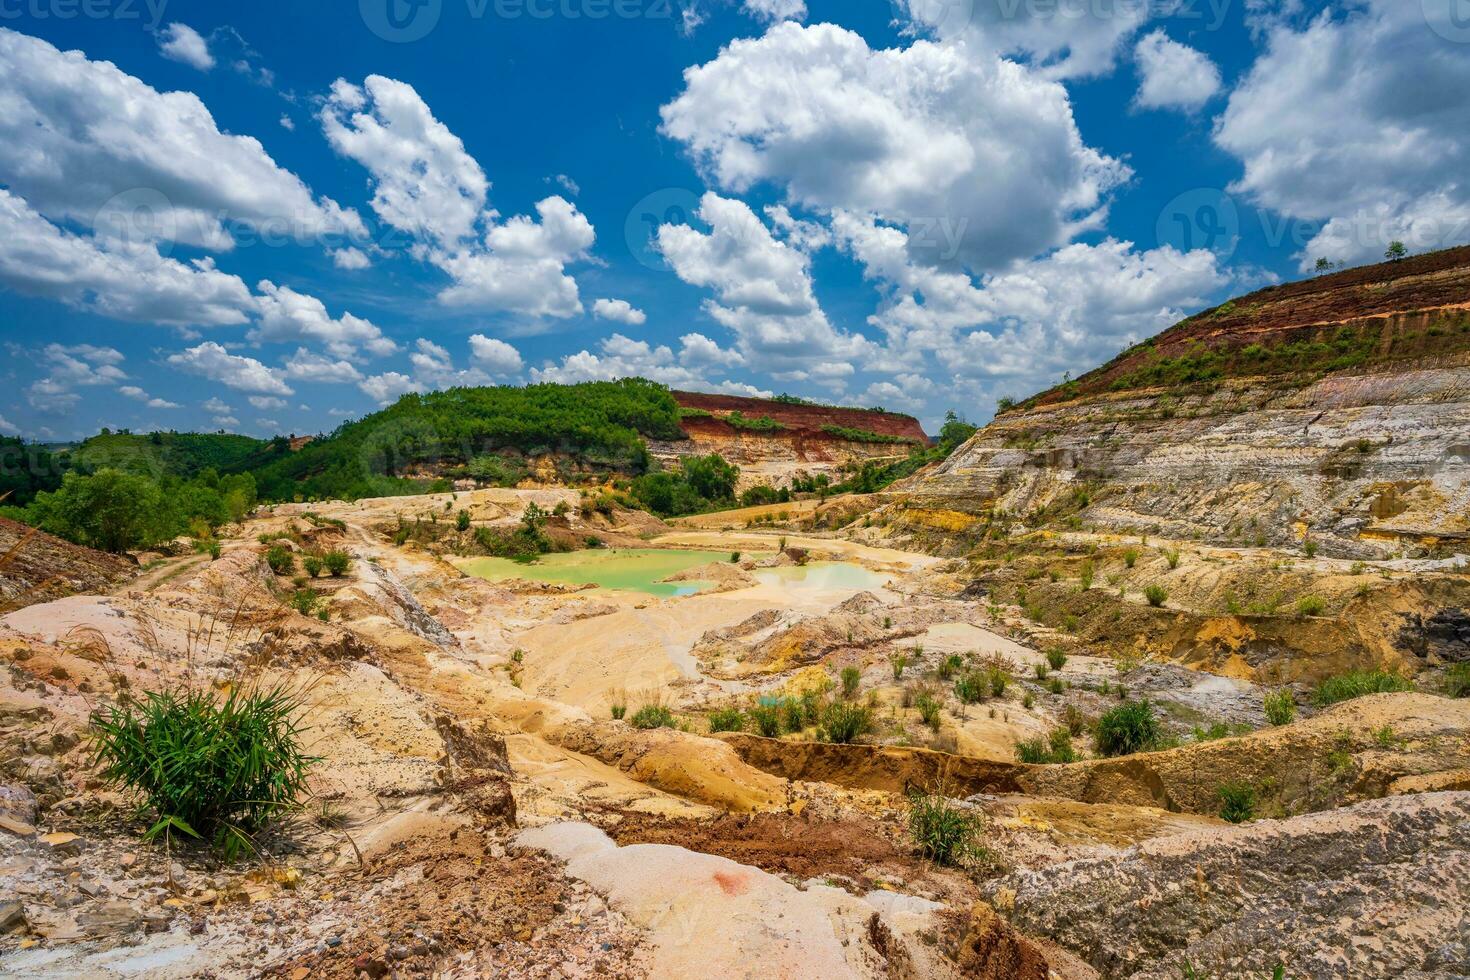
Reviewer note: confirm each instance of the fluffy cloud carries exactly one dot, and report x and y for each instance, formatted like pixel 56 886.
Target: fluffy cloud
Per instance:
pixel 763 288
pixel 216 406
pixel 620 311
pixel 622 357
pixel 69 368
pixel 114 279
pixel 1326 133
pixel 306 366
pixel 287 315
pixel 978 157
pixel 388 388
pixel 424 182
pixel 138 394
pixel 775 10
pixel 495 357
pixel 427 185
pixel 180 42
pixel 212 361
pixel 1025 326
pixel 83 141
pixel 351 259
pixel 1059 40
pixel 264 402
pixel 6 428
pixel 1173 75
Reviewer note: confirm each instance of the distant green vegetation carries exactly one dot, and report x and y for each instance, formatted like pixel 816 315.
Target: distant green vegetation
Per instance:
pixel 115 511
pixel 602 423
pixel 876 475
pixel 698 484
pixel 27 469
pixel 744 423
pixel 862 435
pixel 183 454
pixel 1130 727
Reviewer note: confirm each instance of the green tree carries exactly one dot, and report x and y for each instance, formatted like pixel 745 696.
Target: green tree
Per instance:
pixel 1397 251
pixel 109 510
pixel 711 476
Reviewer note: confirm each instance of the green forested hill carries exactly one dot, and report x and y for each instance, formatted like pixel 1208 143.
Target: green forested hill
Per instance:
pixel 601 423
pixel 158 454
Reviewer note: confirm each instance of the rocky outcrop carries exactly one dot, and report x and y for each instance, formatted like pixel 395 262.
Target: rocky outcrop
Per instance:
pixel 1374 890
pixel 37 567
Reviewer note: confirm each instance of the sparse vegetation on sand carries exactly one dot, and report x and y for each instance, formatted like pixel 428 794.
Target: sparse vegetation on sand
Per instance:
pixel 1128 728
pixel 1356 684
pixel 944 831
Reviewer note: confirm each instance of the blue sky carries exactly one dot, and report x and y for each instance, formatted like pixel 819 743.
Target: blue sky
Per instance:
pixel 271 217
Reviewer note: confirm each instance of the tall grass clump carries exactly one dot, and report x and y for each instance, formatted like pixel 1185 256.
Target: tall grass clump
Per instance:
pixel 971 687
pixel 1055 748
pixel 944 831
pixel 1056 658
pixel 767 720
pixel 928 710
pixel 654 716
pixel 211 768
pixel 1156 595
pixel 1457 681
pixel 844 722
pixel 1356 683
pixel 726 720
pixel 1128 728
pixel 1237 802
pixel 1280 707
pixel 851 679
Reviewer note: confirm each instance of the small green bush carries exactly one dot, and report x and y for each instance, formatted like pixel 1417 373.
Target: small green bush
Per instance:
pixel 1280 707
pixel 726 720
pixel 1355 684
pixel 767 719
pixel 210 768
pixel 280 560
pixel 462 520
pixel 1156 595
pixel 1237 802
pixel 312 564
pixel 851 679
pixel 1055 748
pixel 998 678
pixel 1171 555
pixel 1130 557
pixel 337 562
pixel 970 687
pixel 844 722
pixel 1310 605
pixel 654 716
pixel 949 666
pixel 619 711
pixel 1130 727
pixel 944 831
pixel 898 662
pixel 305 601
pixel 1056 658
pixel 1041 672
pixel 928 710
pixel 1055 685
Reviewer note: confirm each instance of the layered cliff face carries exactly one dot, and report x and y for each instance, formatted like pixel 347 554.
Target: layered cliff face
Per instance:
pixel 772 441
pixel 1293 464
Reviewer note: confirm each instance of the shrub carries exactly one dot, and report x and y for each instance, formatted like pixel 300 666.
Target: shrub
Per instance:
pixel 734 557
pixel 653 716
pixel 337 562
pixel 312 564
pixel 1156 595
pixel 1033 751
pixel 949 665
pixel 928 710
pixel 1171 555
pixel 1041 671
pixel 304 601
pixel 1280 707
pixel 1237 802
pixel 1087 575
pixel 1310 605
pixel 1309 548
pixel 1130 557
pixel 767 718
pixel 898 662
pixel 1130 727
pixel 280 560
pixel 851 678
pixel 211 769
pixel 844 722
pixel 1355 684
pixel 1055 685
pixel 726 720
pixel 944 831
pixel 462 520
pixel 1056 658
pixel 1054 748
pixel 1457 681
pixel 970 687
pixel 998 679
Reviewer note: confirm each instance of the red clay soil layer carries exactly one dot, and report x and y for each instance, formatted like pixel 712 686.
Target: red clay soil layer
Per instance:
pixel 806 418
pixel 1436 281
pixel 37 567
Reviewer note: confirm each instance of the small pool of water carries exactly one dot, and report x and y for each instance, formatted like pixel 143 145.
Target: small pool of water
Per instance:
pixel 644 569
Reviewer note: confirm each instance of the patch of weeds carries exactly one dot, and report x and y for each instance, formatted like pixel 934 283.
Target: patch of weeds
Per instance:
pixel 1131 727
pixel 1237 802
pixel 1056 658
pixel 944 831
pixel 970 687
pixel 1356 684
pixel 1310 605
pixel 928 711
pixel 726 720
pixel 1156 595
pixel 851 679
pixel 767 719
pixel 654 716
pixel 844 722
pixel 1280 707
pixel 1457 681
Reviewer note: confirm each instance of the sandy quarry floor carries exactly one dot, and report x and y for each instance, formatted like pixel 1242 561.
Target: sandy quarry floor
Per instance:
pixel 478 811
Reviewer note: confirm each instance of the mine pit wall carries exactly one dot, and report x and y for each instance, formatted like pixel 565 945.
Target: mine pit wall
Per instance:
pixel 1362 463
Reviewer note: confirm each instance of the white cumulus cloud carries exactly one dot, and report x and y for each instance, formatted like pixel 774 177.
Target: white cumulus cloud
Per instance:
pixel 180 42
pixel 1173 75
pixel 212 361
pixel 619 310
